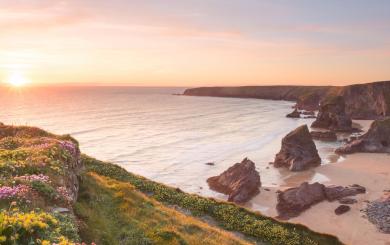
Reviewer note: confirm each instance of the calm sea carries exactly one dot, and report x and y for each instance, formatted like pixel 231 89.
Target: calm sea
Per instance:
pixel 166 138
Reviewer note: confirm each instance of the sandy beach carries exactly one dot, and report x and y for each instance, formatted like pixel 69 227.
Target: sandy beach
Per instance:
pixel 367 169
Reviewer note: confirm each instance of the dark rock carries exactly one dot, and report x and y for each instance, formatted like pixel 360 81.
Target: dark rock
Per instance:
pixel 294 114
pixel 309 117
pixel 342 209
pixel 298 151
pixel 347 200
pixel 210 163
pixel 266 189
pixel 376 140
pixel 337 192
pixel 324 136
pixel 332 115
pixel 241 182
pixel 293 201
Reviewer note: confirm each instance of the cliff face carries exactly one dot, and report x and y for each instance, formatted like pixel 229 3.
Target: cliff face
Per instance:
pixel 367 101
pixel 362 101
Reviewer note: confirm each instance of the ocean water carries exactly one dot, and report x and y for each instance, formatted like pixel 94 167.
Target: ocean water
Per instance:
pixel 158 135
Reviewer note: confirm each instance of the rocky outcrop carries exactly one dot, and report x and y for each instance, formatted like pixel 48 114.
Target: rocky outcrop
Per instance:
pixel 241 182
pixel 332 115
pixel 378 213
pixel 298 151
pixel 294 114
pixel 294 201
pixel 367 101
pixel 376 140
pixel 324 135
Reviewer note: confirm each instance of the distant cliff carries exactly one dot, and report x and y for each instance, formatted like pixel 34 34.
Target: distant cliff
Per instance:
pixel 363 101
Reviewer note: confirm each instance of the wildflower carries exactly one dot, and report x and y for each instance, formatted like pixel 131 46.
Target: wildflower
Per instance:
pixel 34 177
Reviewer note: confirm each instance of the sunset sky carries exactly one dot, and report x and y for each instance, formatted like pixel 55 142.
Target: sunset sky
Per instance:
pixel 195 42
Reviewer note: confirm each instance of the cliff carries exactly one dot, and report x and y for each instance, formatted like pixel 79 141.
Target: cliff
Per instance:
pixel 363 101
pixel 50 194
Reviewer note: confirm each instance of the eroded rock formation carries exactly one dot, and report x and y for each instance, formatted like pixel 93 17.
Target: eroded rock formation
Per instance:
pixel 241 181
pixel 298 151
pixel 332 115
pixel 294 201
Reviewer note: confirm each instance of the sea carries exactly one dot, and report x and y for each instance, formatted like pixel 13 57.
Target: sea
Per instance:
pixel 177 140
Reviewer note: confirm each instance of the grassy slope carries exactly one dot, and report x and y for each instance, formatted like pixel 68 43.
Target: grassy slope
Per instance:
pixel 114 212
pixel 227 215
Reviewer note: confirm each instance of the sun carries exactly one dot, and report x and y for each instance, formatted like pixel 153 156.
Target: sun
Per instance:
pixel 17 79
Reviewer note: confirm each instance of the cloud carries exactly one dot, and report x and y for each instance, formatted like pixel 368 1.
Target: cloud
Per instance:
pixel 20 16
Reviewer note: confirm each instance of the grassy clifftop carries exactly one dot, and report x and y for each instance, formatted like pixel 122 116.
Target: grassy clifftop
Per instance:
pixel 50 194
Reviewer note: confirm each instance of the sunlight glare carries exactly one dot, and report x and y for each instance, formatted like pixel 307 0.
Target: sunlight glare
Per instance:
pixel 17 79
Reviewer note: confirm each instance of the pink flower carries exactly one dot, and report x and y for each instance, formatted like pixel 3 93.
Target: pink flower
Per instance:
pixel 34 177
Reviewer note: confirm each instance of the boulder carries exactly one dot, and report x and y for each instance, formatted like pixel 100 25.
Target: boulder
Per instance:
pixel 294 201
pixel 241 182
pixel 298 151
pixel 342 209
pixel 294 114
pixel 376 140
pixel 332 115
pixel 324 136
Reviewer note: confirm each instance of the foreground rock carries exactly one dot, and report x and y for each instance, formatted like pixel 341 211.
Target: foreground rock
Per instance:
pixel 298 151
pixel 376 140
pixel 294 201
pixel 332 115
pixel 378 213
pixel 241 182
pixel 294 114
pixel 324 136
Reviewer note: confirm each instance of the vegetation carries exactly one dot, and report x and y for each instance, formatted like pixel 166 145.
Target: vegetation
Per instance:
pixel 34 178
pixel 114 212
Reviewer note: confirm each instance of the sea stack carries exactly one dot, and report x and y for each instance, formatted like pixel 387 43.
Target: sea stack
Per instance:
pixel 332 115
pixel 298 151
pixel 376 140
pixel 241 182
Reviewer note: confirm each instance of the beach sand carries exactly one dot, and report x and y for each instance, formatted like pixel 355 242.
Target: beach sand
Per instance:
pixel 367 169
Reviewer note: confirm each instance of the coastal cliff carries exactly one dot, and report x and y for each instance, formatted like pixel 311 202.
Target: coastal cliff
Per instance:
pixel 52 194
pixel 362 101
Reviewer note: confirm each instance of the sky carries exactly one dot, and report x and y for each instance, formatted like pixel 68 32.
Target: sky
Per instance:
pixel 195 42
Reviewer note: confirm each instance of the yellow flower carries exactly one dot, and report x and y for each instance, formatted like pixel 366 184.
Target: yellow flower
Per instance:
pixel 45 242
